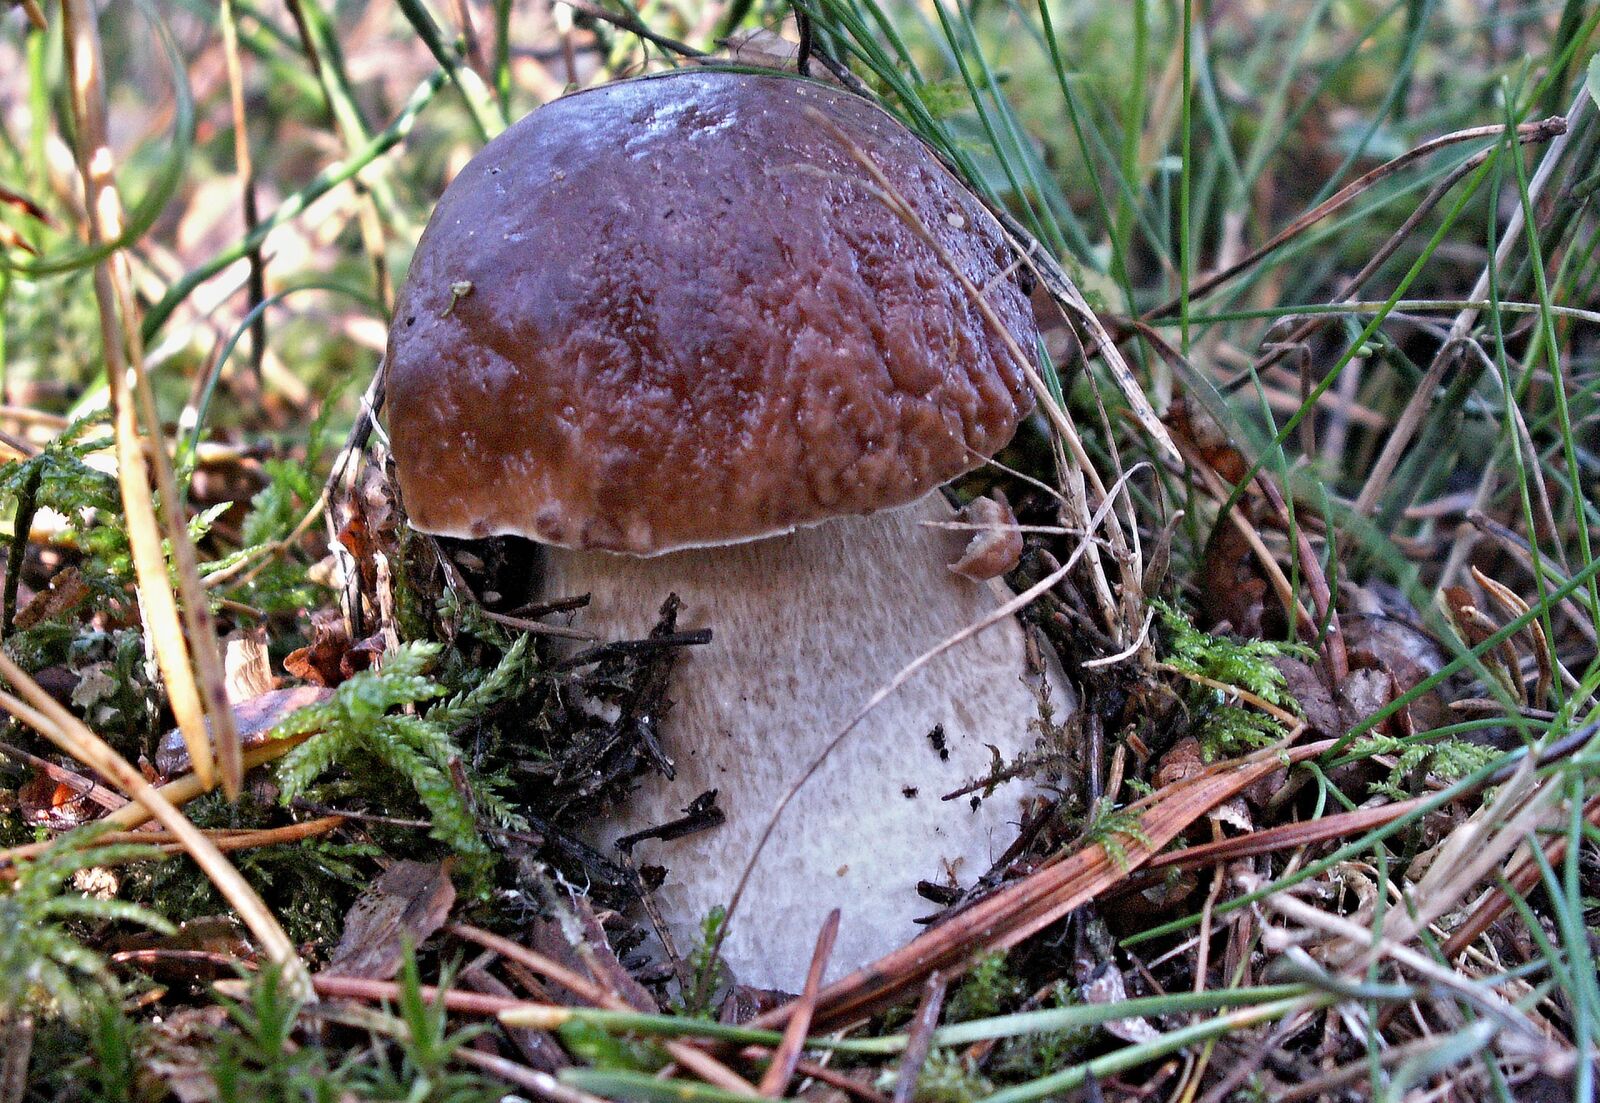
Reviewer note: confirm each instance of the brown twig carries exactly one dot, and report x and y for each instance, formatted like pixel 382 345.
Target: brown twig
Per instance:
pixel 537 628
pixel 386 991
pixel 633 26
pixel 775 1081
pixel 919 1039
pixel 83 786
pixel 226 841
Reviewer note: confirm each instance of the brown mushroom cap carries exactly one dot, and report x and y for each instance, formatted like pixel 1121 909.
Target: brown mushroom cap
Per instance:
pixel 675 311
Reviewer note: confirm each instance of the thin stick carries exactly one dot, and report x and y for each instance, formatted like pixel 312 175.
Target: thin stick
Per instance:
pixel 633 26
pixel 16 555
pixel 387 991
pixel 226 840
pixel 85 787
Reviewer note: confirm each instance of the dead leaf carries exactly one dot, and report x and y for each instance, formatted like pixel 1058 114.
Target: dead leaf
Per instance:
pixel 1182 762
pixel 67 591
pixel 994 550
pixel 253 719
pixel 248 670
pixel 582 947
pixel 1185 761
pixel 180 1052
pixel 319 662
pixel 1233 589
pixel 406 905
pixel 1107 986
pixel 765 49
pixel 46 802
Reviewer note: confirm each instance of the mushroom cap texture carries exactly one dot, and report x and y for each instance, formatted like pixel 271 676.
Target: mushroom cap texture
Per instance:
pixel 676 311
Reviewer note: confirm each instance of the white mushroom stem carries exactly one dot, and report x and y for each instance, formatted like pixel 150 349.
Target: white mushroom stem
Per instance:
pixel 806 628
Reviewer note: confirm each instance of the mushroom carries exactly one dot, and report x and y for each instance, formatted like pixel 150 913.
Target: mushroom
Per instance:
pixel 671 330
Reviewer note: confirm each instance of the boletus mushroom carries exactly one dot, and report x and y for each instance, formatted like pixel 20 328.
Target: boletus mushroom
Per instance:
pixel 672 330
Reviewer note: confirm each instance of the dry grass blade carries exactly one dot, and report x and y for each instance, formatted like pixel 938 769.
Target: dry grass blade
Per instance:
pixel 1289 836
pixel 1471 851
pixel 1350 932
pixel 132 398
pixel 47 716
pixel 362 988
pixel 1522 877
pixel 540 1084
pixel 1510 240
pixel 1028 906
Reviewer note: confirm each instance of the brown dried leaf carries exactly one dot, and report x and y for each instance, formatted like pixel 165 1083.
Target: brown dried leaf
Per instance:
pixel 766 49
pixel 1185 761
pixel 321 662
pixel 1233 590
pixel 584 949
pixel 253 719
pixel 181 1052
pixel 1189 421
pixel 46 802
pixel 67 591
pixel 1181 763
pixel 407 904
pixel 363 655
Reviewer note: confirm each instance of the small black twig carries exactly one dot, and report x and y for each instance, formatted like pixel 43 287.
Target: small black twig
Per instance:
pixel 592 655
pixel 22 524
pixel 803 57
pixel 702 814
pixel 632 26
